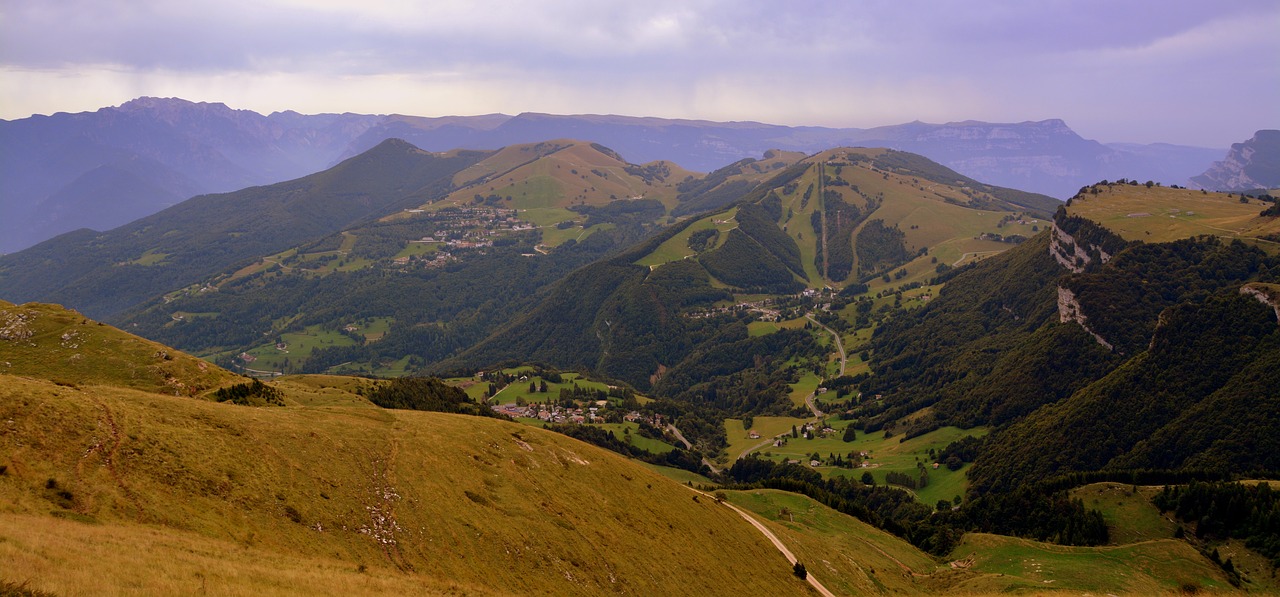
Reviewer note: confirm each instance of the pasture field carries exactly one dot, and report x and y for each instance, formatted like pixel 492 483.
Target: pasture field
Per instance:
pixel 1132 519
pixel 1161 214
pixel 762 328
pixel 518 391
pixel 1130 515
pixel 766 427
pixel 1161 567
pixel 418 249
pixel 884 456
pixel 807 385
pixel 847 555
pixel 298 347
pixel 627 432
pixel 152 257
pixel 677 247
pixel 800 225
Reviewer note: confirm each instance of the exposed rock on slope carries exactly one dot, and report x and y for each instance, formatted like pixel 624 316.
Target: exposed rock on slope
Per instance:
pixel 1254 164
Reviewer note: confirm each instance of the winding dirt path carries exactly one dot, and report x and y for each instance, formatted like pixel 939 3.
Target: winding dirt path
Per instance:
pixel 791 558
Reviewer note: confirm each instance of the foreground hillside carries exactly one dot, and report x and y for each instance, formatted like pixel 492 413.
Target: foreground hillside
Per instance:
pixel 50 342
pixel 108 487
pixel 426 499
pixel 108 447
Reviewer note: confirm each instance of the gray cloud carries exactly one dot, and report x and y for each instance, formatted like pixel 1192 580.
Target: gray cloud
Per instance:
pixel 1112 68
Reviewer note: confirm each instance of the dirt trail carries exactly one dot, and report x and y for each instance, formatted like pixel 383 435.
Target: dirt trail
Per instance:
pixel 791 558
pixel 108 449
pixel 905 568
pixel 383 526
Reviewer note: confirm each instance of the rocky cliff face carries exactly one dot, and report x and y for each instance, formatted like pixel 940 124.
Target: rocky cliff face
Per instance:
pixel 1267 294
pixel 1070 253
pixel 1069 311
pixel 1254 164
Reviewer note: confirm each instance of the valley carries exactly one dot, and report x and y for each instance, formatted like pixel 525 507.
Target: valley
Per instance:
pixel 636 299
pixel 915 382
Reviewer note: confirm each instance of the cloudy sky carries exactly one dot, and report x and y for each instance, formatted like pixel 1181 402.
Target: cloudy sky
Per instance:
pixel 1195 72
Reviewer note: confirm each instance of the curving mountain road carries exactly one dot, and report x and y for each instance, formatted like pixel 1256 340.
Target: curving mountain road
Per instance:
pixel 689 446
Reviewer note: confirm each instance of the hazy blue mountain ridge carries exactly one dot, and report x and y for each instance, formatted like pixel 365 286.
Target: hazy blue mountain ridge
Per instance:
pixel 54 182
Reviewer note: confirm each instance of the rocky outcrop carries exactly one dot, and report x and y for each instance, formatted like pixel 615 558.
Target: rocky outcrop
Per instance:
pixel 1069 311
pixel 1267 294
pixel 1070 254
pixel 1254 164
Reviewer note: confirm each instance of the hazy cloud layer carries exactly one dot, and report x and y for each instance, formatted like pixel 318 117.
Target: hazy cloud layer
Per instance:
pixel 1181 71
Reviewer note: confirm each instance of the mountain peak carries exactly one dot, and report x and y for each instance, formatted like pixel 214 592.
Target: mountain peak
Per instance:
pixel 148 103
pixel 394 144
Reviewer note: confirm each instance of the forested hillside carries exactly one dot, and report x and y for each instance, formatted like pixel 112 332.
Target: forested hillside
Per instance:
pixel 1090 352
pixel 104 274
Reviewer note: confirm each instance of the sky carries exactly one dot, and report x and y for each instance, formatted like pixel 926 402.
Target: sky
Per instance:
pixel 1192 72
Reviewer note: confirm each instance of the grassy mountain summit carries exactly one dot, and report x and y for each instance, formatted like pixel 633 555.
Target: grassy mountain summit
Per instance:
pixel 664 308
pixel 882 209
pixel 49 342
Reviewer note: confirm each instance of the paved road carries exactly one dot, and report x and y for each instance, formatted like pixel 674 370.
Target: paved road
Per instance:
pixel 844 360
pixel 839 343
pixel 687 445
pixel 973 253
pixel 808 400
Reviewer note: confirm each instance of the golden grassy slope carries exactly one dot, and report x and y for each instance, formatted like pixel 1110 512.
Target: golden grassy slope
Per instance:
pixel 1162 567
pixel 934 215
pixel 557 174
pixel 52 342
pixel 425 499
pixel 1162 214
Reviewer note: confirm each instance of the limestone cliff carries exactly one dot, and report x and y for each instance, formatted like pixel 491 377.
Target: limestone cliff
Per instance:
pixel 1254 164
pixel 1069 310
pixel 1267 294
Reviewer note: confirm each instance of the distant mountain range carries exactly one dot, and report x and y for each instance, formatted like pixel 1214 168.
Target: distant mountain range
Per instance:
pixel 106 168
pixel 1252 165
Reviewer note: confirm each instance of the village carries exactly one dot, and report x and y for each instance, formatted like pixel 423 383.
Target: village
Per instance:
pixel 770 309
pixel 598 412
pixel 471 227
